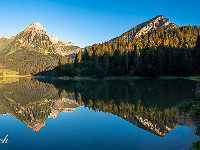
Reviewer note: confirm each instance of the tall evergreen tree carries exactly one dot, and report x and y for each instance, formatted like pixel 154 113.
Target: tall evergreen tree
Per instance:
pixel 70 60
pixel 60 62
pixel 78 57
pixel 196 57
pixel 106 62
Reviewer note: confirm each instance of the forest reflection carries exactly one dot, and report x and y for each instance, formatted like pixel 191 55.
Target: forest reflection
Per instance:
pixel 148 104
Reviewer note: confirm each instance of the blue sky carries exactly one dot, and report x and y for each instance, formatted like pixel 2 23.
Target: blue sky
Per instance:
pixel 86 22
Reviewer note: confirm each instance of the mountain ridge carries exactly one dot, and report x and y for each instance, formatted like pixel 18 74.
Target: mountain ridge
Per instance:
pixel 35 36
pixel 146 27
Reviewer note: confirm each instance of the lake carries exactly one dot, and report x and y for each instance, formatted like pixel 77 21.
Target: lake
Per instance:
pixel 95 114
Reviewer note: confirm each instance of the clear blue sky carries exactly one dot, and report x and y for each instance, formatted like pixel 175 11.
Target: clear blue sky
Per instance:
pixel 86 22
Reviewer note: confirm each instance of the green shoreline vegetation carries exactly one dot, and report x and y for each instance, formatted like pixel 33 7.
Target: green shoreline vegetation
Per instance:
pixel 192 108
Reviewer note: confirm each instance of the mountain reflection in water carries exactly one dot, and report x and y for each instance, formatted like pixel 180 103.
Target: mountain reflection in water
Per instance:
pixel 32 101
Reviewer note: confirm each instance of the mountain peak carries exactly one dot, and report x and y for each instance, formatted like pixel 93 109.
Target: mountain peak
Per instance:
pixel 159 16
pixel 37 27
pixel 156 22
pixel 146 27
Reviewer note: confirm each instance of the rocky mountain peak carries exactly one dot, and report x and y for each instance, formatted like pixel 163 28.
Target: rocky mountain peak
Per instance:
pixel 156 22
pixel 37 27
pixel 35 36
pixel 146 27
pixel 160 20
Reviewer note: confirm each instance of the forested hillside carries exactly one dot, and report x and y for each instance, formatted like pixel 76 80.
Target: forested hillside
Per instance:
pixel 164 51
pixel 29 61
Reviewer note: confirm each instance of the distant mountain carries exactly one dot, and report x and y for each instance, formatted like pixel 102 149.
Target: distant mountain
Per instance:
pixel 35 37
pixel 146 27
pixel 33 51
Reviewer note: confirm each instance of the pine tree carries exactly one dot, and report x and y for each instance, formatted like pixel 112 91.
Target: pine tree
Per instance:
pixel 70 60
pixel 60 62
pixel 106 62
pixel 58 70
pixel 126 61
pixel 196 57
pixel 137 60
pixel 78 57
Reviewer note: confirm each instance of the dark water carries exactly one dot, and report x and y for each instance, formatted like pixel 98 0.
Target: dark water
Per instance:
pixel 139 114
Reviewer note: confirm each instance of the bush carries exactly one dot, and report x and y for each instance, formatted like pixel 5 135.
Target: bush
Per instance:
pixel 195 110
pixel 196 145
pixel 185 106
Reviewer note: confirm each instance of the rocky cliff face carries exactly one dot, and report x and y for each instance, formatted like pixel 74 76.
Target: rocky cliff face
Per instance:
pixel 146 27
pixel 149 126
pixel 159 21
pixel 66 48
pixel 55 41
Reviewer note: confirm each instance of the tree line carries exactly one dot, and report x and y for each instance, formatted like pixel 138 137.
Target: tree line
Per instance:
pixel 164 51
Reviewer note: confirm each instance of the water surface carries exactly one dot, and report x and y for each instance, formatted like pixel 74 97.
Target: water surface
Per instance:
pixel 139 114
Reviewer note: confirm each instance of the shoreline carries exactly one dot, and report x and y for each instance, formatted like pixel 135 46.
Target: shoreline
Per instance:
pixel 195 78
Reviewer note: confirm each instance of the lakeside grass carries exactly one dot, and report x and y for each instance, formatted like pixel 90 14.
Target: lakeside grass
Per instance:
pixel 15 76
pixel 8 73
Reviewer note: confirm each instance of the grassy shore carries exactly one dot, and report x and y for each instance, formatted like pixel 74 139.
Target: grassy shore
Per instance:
pixel 8 73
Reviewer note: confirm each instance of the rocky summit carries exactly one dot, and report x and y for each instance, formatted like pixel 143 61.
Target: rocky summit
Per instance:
pixel 37 27
pixel 147 27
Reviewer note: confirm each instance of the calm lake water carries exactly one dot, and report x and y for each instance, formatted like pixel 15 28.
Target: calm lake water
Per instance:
pixel 89 115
